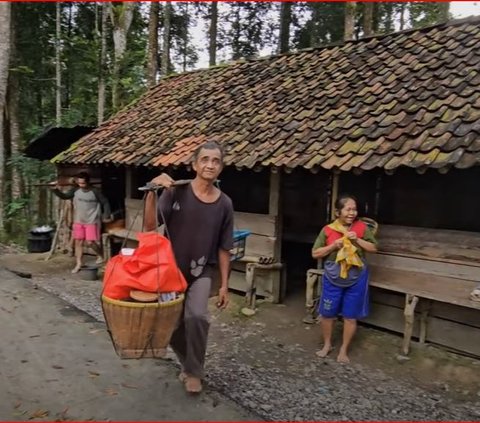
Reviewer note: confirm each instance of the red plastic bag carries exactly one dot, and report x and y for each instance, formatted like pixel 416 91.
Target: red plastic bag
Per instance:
pixel 151 268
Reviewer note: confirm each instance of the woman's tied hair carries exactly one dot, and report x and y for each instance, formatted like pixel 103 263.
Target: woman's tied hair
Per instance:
pixel 209 145
pixel 342 200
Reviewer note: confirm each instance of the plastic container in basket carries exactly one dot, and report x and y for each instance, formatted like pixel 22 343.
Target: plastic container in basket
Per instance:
pixel 239 240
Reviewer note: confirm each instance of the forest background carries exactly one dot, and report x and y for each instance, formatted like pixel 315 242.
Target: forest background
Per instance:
pixel 67 64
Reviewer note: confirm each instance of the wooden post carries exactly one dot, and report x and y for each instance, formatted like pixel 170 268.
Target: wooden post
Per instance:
pixel 55 237
pixel 128 182
pixel 409 313
pixel 279 284
pixel 334 194
pixel 378 188
pixel 274 209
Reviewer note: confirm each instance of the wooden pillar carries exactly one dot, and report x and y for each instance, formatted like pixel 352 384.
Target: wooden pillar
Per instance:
pixel 279 284
pixel 334 193
pixel 128 182
pixel 378 188
pixel 274 209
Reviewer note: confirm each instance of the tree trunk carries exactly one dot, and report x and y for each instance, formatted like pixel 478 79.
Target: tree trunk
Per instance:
pixel 367 19
pixel 444 11
pixel 58 66
pixel 185 36
pixel 166 38
pixel 402 16
pixel 212 34
pixel 102 71
pixel 350 9
pixel 5 20
pixel 236 53
pixel 152 66
pixel 285 21
pixel 13 108
pixel 122 16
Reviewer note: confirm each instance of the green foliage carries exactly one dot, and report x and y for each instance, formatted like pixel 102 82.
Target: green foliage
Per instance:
pixel 245 30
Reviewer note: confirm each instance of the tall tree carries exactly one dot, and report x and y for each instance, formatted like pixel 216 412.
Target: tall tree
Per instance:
pixel 212 34
pixel 249 31
pixel 367 18
pixel 324 23
pixel 444 11
pixel 402 10
pixel 13 123
pixel 152 60
pixel 167 19
pixel 285 22
pixel 121 15
pixel 423 14
pixel 58 64
pixel 102 71
pixel 183 51
pixel 5 19
pixel 350 12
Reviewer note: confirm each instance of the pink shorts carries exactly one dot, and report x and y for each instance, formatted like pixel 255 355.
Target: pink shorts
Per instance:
pixel 89 232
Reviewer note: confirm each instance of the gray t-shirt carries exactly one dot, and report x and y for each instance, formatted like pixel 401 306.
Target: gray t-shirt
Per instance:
pixel 87 204
pixel 197 229
pixel 86 208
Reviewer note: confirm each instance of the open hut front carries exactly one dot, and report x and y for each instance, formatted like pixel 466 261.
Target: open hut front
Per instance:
pixel 393 120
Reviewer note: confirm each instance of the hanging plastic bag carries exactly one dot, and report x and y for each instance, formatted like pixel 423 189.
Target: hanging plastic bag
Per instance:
pixel 151 268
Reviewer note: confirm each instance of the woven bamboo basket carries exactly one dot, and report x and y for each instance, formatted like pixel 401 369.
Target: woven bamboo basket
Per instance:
pixel 141 330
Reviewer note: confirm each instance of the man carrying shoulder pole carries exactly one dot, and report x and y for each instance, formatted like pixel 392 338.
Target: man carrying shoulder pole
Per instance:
pixel 199 222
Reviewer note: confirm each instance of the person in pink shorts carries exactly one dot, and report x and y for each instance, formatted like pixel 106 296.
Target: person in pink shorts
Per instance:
pixel 90 207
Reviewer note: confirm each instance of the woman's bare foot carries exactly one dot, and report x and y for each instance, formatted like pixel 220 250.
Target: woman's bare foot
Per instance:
pixel 324 351
pixel 342 357
pixel 193 385
pixel 76 269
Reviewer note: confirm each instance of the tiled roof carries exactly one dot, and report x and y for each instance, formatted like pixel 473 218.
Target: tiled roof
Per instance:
pixel 405 99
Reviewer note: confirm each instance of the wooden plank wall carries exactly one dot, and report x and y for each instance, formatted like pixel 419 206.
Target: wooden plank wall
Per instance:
pixel 430 243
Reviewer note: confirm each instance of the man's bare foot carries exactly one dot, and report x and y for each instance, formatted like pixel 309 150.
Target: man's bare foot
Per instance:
pixel 342 357
pixel 324 351
pixel 193 385
pixel 76 269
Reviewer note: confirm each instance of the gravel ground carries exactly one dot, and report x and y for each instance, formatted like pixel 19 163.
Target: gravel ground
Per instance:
pixel 280 381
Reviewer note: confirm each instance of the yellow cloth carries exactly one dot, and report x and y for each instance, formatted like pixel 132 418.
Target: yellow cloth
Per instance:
pixel 347 255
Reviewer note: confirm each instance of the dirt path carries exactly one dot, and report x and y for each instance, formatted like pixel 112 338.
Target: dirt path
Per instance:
pixel 266 363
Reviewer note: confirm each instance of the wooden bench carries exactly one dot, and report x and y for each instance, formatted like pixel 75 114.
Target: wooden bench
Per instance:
pixel 417 286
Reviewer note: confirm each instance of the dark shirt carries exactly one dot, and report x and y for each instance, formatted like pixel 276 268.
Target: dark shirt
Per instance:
pixel 197 230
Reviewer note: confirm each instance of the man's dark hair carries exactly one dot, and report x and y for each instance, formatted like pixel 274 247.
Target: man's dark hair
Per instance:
pixel 85 176
pixel 209 145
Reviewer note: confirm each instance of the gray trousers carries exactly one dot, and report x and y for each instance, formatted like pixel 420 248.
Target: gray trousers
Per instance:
pixel 189 340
